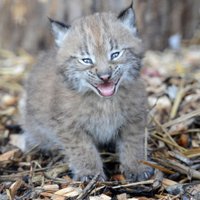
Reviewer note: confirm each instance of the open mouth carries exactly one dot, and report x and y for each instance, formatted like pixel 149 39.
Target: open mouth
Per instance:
pixel 106 89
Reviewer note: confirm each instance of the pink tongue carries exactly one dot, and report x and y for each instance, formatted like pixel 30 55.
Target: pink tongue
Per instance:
pixel 106 89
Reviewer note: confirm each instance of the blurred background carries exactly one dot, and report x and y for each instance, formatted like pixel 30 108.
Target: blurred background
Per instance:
pixel 24 23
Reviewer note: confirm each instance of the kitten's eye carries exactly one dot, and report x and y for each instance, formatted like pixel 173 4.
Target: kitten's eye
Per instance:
pixel 87 61
pixel 116 55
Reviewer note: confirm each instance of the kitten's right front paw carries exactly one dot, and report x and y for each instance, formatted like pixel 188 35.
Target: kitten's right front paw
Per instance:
pixel 146 174
pixel 140 174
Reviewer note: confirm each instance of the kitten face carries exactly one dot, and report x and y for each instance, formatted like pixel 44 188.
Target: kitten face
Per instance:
pixel 99 54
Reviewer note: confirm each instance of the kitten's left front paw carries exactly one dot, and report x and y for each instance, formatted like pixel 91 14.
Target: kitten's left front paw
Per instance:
pixel 140 174
pixel 88 178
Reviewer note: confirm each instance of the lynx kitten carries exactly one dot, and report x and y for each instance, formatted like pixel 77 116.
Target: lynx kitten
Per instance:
pixel 86 92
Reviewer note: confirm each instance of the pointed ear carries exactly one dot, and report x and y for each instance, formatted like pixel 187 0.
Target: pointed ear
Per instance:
pixel 59 31
pixel 127 17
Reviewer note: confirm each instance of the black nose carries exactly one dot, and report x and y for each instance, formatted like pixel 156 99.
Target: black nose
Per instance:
pixel 104 76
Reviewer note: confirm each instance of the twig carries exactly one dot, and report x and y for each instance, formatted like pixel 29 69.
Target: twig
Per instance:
pixel 182 118
pixel 179 132
pixel 168 135
pixel 134 184
pixel 180 168
pixel 146 143
pixel 177 100
pixel 180 157
pixel 156 166
pixel 89 187
pixel 168 142
pixel 95 190
pixel 14 177
pixel 191 153
pixel 57 180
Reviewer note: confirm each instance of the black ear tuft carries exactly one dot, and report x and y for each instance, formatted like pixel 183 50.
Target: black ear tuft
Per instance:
pixel 59 30
pixel 127 17
pixel 124 12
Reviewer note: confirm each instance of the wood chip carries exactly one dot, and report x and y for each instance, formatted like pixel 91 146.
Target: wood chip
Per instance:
pixel 101 197
pixel 9 100
pixel 14 187
pixel 53 187
pixel 57 197
pixel 122 197
pixel 69 191
pixel 167 182
pixel 15 153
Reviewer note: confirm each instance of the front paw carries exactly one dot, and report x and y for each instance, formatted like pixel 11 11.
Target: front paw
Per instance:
pixel 140 174
pixel 145 174
pixel 100 177
pixel 88 178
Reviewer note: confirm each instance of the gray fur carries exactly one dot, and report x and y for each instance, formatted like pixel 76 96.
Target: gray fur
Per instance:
pixel 63 109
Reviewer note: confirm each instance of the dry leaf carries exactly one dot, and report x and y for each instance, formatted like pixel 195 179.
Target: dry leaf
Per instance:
pixel 184 140
pixel 15 153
